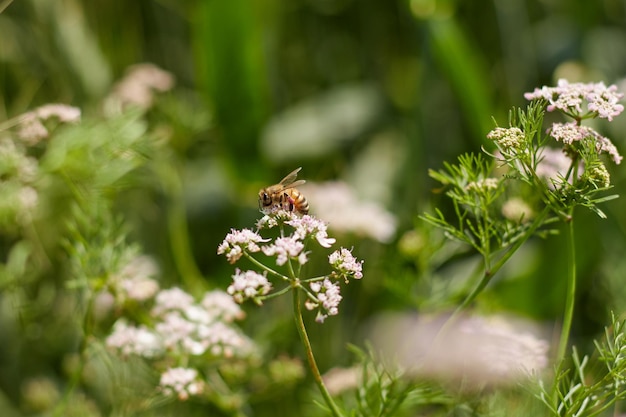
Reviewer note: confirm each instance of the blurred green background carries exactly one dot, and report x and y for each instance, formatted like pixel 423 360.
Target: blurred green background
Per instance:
pixel 372 92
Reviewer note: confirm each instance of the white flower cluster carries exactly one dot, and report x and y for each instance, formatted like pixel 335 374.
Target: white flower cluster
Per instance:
pixel 134 340
pixel 553 166
pixel 238 241
pixel 135 280
pixel 571 132
pixel 345 264
pixel 181 382
pixel 31 125
pixel 138 86
pixel 476 350
pixel 286 248
pixel 249 285
pixel 310 226
pixel 570 97
pixel 327 296
pixel 184 327
pixel 324 294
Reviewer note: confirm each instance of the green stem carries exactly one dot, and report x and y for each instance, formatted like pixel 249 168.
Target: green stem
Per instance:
pixel 490 272
pixel 568 314
pixel 264 267
pixel 297 308
pixel 275 294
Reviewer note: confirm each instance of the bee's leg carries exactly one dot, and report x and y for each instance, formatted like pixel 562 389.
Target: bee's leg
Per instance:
pixel 291 203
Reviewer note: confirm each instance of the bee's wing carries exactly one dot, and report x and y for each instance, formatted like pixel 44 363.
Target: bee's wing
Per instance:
pixel 290 180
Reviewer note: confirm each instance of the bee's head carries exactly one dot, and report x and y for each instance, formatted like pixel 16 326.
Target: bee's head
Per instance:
pixel 264 199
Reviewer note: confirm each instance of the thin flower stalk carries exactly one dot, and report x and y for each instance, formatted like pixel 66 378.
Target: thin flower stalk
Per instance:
pixel 304 337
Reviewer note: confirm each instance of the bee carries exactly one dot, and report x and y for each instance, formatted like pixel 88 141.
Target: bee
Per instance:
pixel 284 195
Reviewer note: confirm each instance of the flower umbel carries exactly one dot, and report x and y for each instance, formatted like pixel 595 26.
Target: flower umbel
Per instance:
pixel 327 296
pixel 181 382
pixel 507 138
pixel 602 101
pixel 345 264
pixel 286 248
pixel 237 241
pixel 289 251
pixel 309 225
pixel 582 144
pixel 249 285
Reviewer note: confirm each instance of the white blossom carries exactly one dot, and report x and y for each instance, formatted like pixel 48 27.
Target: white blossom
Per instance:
pixel 181 382
pixel 285 248
pixel 476 350
pixel 171 299
pixel 137 340
pixel 138 86
pixel 238 241
pixel 553 166
pixel 327 298
pixel 135 280
pixel 308 225
pixel 248 285
pixel 570 98
pixel 32 130
pixel 346 264
pixel 222 306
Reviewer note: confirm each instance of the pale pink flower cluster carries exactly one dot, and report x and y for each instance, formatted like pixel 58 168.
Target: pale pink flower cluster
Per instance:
pixel 134 340
pixel 181 382
pixel 285 248
pixel 345 264
pixel 553 166
pixel 192 328
pixel 182 326
pixel 475 350
pixel 311 226
pixel 275 218
pixel 570 97
pixel 238 241
pixel 571 132
pixel 138 86
pixel 249 285
pixel 221 306
pixel 31 125
pixel 340 380
pixel 327 298
pixel 135 280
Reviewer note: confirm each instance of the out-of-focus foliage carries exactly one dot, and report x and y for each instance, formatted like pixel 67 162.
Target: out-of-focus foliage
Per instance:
pixel 372 93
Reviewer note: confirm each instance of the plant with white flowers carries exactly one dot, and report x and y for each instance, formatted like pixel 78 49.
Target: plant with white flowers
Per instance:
pixel 289 252
pixel 534 177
